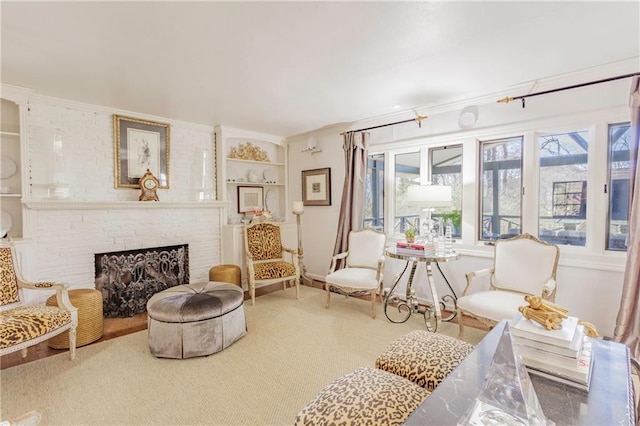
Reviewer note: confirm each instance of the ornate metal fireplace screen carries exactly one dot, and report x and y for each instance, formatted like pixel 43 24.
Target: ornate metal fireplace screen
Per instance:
pixel 128 279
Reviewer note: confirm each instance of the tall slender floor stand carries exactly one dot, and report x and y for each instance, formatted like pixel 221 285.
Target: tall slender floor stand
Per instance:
pixel 298 211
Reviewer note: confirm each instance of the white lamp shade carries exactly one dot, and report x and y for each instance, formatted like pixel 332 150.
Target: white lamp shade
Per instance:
pixel 429 196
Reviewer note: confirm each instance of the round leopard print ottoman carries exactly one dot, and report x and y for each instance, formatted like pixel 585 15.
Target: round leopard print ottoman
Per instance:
pixel 423 357
pixel 198 319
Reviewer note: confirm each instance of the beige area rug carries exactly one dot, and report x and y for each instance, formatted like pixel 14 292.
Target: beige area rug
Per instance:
pixel 293 348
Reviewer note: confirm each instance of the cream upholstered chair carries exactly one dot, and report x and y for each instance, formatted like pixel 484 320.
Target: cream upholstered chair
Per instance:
pixel 21 325
pixel 265 258
pixel 521 265
pixel 364 261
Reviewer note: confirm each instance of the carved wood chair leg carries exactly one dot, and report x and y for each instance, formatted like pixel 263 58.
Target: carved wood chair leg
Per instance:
pixel 460 325
pixel 326 286
pixel 373 304
pixel 72 343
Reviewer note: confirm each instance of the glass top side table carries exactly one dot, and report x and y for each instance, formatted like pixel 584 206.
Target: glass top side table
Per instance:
pixel 398 309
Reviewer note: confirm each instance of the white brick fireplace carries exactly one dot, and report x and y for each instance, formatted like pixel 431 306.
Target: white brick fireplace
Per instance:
pixel 68 235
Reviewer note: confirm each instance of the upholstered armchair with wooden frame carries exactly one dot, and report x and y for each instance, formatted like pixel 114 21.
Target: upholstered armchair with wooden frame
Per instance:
pixel 521 265
pixel 364 262
pixel 22 325
pixel 265 259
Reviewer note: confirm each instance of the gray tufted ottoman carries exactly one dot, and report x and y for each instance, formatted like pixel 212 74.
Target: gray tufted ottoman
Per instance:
pixel 195 319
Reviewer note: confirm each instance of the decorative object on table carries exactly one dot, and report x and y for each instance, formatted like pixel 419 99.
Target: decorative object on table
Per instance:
pixel 562 353
pixel 249 151
pixel 140 145
pixel 448 240
pixel 8 167
pixel 428 197
pixel 265 258
pixel 364 264
pixel 59 188
pixel 550 315
pixel 414 249
pixel 250 198
pixel 410 235
pixel 148 187
pixel 521 265
pixel 298 210
pixel 316 187
pixel 507 396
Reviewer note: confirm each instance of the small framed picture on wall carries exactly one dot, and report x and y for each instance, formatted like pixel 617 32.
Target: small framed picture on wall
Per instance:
pixel 250 198
pixel 316 187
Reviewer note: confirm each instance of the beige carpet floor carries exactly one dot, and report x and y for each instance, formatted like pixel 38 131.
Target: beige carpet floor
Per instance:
pixel 293 348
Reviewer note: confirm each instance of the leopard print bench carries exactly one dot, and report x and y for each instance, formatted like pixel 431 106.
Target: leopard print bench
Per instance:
pixel 366 396
pixel 424 358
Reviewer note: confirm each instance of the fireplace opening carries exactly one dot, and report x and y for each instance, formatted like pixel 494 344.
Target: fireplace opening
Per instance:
pixel 128 279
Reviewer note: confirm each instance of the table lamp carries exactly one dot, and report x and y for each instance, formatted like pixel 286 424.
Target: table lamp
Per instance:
pixel 429 197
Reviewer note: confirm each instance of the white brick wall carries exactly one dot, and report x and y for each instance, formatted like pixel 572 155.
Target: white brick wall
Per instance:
pixel 61 242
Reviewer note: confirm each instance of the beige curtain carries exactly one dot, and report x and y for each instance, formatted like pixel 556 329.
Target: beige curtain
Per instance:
pixel 627 329
pixel 352 204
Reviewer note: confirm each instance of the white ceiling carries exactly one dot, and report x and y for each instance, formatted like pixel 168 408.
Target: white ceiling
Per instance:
pixel 286 68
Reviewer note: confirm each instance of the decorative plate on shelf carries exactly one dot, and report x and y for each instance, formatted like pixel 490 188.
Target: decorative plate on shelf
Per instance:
pixel 271 202
pixel 252 176
pixel 7 167
pixel 269 176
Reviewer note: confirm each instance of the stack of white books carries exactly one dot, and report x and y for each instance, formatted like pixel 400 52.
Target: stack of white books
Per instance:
pixel 415 249
pixel 563 355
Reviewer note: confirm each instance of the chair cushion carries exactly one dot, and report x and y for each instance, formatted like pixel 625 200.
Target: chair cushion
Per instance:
pixel 269 270
pixel 524 265
pixel 424 358
pixel 29 322
pixel 365 396
pixel 356 278
pixel 495 305
pixel 366 246
pixel 264 242
pixel 8 283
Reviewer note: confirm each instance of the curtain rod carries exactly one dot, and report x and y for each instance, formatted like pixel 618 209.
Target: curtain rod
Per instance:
pixel 523 97
pixel 418 119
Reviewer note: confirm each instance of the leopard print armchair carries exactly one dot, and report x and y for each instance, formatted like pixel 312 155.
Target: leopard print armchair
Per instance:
pixel 21 325
pixel 265 258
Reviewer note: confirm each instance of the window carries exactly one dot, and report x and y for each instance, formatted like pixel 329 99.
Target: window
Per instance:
pixel 374 193
pixel 500 188
pixel 562 200
pixel 446 169
pixel 407 174
pixel 618 186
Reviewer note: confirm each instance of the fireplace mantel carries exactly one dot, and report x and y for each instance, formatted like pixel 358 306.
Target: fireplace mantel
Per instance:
pixel 48 204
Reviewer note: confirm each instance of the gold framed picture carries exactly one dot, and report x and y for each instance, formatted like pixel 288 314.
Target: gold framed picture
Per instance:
pixel 140 145
pixel 316 187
